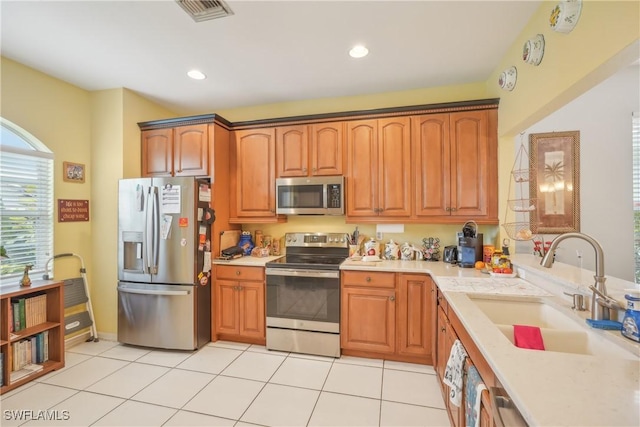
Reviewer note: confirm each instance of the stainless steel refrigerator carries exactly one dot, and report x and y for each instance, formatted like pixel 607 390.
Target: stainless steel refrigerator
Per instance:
pixel 164 262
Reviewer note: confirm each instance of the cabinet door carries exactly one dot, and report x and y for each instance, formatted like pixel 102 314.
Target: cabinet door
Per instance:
pixel 327 149
pixel 362 161
pixel 191 151
pixel 252 312
pixel 415 302
pixel 253 184
pixel 157 152
pixel 469 160
pixel 292 151
pixel 442 352
pixel 394 167
pixel 226 307
pixel 368 320
pixel 432 163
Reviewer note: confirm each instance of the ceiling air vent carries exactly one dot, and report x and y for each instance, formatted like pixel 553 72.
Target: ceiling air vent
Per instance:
pixel 204 10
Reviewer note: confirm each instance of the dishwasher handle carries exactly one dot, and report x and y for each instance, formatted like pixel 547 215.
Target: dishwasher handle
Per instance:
pixel 504 410
pixel 154 292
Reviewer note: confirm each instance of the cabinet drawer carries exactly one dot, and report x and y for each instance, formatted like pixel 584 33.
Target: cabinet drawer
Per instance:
pixel 368 279
pixel 232 272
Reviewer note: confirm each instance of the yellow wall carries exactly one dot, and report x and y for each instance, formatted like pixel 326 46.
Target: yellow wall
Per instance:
pixel 434 95
pixel 605 40
pixel 59 115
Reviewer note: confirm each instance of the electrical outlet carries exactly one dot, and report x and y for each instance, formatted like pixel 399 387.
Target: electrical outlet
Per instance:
pixel 378 235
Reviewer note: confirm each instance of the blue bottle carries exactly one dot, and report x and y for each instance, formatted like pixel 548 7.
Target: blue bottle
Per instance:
pixel 631 321
pixel 246 243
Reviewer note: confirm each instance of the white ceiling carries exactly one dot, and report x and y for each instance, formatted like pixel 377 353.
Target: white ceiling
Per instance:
pixel 266 52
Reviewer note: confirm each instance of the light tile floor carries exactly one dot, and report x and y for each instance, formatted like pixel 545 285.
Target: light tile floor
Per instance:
pixel 224 384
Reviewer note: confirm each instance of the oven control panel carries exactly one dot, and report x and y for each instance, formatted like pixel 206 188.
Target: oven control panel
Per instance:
pixel 321 240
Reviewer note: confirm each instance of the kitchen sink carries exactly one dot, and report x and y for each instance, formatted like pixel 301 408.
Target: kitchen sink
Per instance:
pixel 561 332
pixel 532 312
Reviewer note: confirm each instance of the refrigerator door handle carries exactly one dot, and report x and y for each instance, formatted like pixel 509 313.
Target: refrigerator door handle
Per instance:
pixel 148 233
pixel 156 231
pixel 152 292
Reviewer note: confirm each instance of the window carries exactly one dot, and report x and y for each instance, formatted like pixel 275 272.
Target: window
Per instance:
pixel 636 190
pixel 26 203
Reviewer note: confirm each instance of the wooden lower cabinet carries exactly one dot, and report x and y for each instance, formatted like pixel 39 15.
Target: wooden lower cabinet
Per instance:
pixel 414 327
pixel 449 329
pixel 239 304
pixel 368 321
pixel 386 315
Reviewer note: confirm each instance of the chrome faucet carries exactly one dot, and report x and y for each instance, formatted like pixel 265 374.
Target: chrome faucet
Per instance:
pixel 601 303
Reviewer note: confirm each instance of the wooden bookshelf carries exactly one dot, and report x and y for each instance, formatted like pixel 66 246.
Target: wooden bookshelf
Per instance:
pixel 53 326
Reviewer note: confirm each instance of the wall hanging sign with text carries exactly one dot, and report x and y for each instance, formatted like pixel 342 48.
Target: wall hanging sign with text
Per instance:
pixel 73 210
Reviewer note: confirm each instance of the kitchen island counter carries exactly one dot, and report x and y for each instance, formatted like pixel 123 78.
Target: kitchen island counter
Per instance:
pixel 549 388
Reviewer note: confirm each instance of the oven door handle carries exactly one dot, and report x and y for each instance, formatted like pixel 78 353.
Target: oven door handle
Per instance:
pixel 302 273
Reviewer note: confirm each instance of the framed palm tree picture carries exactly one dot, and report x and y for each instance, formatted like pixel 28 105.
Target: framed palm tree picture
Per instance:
pixel 555 181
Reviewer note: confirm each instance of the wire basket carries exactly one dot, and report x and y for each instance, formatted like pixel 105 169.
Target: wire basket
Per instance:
pixel 523 205
pixel 518 230
pixel 521 175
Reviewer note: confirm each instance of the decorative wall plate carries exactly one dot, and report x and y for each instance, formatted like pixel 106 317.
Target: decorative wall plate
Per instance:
pixel 533 50
pixel 565 15
pixel 508 78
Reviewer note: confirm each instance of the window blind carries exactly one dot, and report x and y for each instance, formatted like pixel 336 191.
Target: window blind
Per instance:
pixel 26 207
pixel 636 189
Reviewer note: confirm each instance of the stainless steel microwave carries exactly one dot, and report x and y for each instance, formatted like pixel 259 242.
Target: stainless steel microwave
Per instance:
pixel 310 196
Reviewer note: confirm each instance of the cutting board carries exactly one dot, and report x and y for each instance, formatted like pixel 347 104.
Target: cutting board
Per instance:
pixel 228 238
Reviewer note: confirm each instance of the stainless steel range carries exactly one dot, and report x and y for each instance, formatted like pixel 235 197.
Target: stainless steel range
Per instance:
pixel 303 294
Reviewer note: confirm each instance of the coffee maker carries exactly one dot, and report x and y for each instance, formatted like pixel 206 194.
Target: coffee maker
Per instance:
pixel 469 245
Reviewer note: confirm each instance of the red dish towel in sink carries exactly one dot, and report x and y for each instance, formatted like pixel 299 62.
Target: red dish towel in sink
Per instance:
pixel 528 337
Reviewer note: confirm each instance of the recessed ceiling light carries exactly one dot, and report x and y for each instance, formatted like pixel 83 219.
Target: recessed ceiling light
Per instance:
pixel 196 75
pixel 358 51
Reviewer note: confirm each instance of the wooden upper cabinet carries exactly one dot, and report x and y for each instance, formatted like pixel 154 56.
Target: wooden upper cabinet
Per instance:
pixel 315 150
pixel 455 160
pixel 253 175
pixel 190 151
pixel 327 149
pixel 362 175
pixel 394 167
pixel 432 161
pixel 469 163
pixel 157 152
pixel 179 151
pixel 292 151
pixel 379 168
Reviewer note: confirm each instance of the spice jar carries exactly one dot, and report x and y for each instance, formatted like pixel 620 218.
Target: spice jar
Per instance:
pixel 495 258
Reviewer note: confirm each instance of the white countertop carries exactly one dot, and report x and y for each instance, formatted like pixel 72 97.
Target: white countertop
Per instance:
pixel 549 388
pixel 246 261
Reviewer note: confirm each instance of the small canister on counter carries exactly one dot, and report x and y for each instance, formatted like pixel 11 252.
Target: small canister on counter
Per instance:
pixel 631 321
pixel 258 238
pixel 487 252
pixel 495 258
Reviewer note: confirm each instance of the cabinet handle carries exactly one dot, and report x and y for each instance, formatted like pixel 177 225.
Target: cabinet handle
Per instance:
pixel 443 329
pixel 240 288
pixel 439 298
pixel 368 279
pixel 392 298
pixel 237 272
pixel 454 209
pixel 304 170
pixel 315 169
